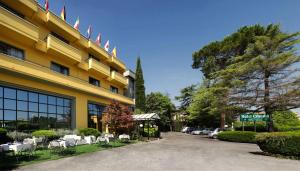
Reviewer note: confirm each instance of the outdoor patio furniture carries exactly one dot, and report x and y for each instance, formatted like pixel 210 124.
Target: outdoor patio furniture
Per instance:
pixel 90 139
pixel 124 137
pixel 57 143
pixel 109 136
pixel 102 139
pixel 70 142
pixel 76 137
pixel 81 142
pixel 5 147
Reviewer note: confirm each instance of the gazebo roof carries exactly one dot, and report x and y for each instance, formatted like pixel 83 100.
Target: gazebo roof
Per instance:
pixel 146 117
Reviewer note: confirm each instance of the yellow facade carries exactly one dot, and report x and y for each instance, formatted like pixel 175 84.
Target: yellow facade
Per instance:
pixel 33 34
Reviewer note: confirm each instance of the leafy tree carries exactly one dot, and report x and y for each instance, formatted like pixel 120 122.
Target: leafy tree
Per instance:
pixel 285 118
pixel 263 79
pixel 119 117
pixel 162 105
pixel 186 95
pixel 140 97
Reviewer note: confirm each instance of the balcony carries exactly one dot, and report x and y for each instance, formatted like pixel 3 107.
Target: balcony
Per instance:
pixel 61 27
pixel 22 30
pixel 60 48
pixel 118 78
pixel 29 70
pixel 115 62
pixel 98 51
pixel 26 7
pixel 99 68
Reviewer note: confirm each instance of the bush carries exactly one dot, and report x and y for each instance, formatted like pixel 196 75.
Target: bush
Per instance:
pixel 3 136
pixel 237 136
pixel 18 136
pixel 48 134
pixel 286 128
pixel 63 132
pixel 249 126
pixel 284 143
pixel 88 131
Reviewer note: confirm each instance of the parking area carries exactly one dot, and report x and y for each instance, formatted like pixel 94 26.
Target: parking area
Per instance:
pixel 176 151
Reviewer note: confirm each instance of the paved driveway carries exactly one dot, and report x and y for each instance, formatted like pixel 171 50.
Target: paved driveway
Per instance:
pixel 175 152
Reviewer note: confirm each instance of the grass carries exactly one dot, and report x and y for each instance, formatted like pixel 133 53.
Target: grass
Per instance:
pixel 8 161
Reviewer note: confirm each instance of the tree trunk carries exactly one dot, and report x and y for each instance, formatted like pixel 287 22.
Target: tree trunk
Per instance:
pixel 267 106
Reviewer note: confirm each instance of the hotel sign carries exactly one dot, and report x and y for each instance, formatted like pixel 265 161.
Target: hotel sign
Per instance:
pixel 254 117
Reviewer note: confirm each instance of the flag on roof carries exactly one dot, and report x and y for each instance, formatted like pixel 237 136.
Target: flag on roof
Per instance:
pixel 76 25
pixel 47 5
pixel 106 46
pixel 63 13
pixel 98 39
pixel 89 32
pixel 114 52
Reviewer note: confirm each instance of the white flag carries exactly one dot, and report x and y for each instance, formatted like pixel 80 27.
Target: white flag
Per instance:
pixel 106 46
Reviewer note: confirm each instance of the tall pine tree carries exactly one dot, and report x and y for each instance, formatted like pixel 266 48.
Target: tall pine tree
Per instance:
pixel 140 98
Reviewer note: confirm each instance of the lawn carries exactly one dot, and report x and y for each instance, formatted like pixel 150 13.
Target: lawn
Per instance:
pixel 9 161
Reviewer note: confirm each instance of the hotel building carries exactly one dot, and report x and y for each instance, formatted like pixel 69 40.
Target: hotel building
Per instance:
pixel 50 75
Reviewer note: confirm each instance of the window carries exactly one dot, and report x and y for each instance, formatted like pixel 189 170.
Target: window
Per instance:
pixel 94 57
pixel 95 115
pixel 19 107
pixel 11 50
pixel 59 68
pixel 114 89
pixel 94 81
pixel 60 37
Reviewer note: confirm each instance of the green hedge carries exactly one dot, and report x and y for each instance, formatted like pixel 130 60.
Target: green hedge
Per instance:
pixel 249 126
pixel 237 136
pixel 49 134
pixel 89 131
pixel 284 143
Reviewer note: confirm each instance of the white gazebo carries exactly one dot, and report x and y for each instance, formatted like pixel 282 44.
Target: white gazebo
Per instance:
pixel 147 117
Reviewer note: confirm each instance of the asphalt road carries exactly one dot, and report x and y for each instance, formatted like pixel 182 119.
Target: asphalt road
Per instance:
pixel 176 151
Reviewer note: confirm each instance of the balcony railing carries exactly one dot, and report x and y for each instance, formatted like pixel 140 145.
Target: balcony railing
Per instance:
pixel 98 50
pixel 118 78
pixel 58 47
pixel 99 68
pixel 18 26
pixel 117 63
pixel 37 71
pixel 61 27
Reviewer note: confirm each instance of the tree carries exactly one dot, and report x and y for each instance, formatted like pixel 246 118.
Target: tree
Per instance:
pixel 255 64
pixel 119 118
pixel 285 118
pixel 162 105
pixel 264 77
pixel 185 97
pixel 140 98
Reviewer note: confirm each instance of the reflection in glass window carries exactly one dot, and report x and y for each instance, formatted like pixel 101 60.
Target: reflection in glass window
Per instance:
pixel 22 95
pixel 33 97
pixel 21 105
pixel 42 98
pixel 10 115
pixel 10 104
pixel 22 116
pixel 17 107
pixel 9 93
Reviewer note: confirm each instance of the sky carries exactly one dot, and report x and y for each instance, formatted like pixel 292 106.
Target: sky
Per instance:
pixel 165 33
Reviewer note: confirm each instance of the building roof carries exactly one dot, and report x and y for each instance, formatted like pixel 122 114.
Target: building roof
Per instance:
pixel 146 117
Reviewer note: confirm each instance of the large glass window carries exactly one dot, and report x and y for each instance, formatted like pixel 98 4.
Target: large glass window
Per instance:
pixel 95 116
pixel 11 50
pixel 21 107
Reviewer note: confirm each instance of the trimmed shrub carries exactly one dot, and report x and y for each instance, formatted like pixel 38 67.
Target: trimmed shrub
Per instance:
pixel 286 128
pixel 88 131
pixel 249 126
pixel 284 143
pixel 48 134
pixel 18 136
pixel 237 136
